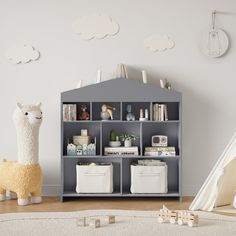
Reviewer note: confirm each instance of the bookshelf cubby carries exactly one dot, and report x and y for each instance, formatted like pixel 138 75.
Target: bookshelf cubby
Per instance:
pixel 118 93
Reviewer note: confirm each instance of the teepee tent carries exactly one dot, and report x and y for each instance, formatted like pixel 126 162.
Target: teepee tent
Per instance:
pixel 219 187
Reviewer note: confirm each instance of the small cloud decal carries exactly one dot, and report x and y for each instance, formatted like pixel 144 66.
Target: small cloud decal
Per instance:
pixel 159 43
pixel 22 54
pixel 95 27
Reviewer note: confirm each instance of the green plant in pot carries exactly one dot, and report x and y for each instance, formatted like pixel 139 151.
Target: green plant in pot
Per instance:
pixel 114 139
pixel 128 138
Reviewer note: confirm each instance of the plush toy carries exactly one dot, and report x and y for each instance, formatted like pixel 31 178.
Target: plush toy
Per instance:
pixel 24 176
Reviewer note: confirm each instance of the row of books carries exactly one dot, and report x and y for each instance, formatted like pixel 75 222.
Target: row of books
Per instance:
pixel 160 112
pixel 69 112
pixel 159 151
pixel 133 151
pixel 121 151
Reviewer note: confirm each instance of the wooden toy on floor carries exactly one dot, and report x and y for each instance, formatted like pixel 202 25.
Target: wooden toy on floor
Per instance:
pixel 81 221
pixel 94 222
pixel 186 217
pixel 180 217
pixel 166 215
pixel 111 219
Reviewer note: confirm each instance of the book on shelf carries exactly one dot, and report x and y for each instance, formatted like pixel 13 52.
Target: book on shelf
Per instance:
pixel 69 112
pixel 159 151
pixel 160 112
pixel 121 151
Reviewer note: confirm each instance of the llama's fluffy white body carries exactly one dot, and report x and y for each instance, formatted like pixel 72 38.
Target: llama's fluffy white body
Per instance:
pixel 24 177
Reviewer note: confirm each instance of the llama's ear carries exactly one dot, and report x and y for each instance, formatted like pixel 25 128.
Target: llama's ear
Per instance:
pixel 38 104
pixel 19 105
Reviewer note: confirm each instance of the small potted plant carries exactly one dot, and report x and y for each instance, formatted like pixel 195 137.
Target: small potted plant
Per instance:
pixel 128 138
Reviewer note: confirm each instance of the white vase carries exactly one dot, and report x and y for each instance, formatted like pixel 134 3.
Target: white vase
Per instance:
pixel 128 143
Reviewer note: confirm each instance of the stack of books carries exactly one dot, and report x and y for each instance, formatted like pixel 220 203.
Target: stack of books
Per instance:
pixel 69 112
pixel 160 112
pixel 159 151
pixel 121 151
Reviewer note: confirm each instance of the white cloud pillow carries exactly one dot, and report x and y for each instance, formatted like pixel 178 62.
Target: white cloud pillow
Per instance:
pixel 96 26
pixel 22 54
pixel 159 43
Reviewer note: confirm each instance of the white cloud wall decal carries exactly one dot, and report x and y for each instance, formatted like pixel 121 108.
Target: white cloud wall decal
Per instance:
pixel 159 43
pixel 22 54
pixel 97 26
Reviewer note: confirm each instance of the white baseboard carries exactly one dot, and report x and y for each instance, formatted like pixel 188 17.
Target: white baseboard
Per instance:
pixel 51 189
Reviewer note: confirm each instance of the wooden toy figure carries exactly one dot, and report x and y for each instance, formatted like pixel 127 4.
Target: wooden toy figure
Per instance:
pixel 166 215
pixel 83 115
pixel 107 112
pixel 81 221
pixel 180 217
pixel 94 222
pixel 186 217
pixel 111 219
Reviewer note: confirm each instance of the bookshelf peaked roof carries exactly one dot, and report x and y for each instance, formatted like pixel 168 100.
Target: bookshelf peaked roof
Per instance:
pixel 121 89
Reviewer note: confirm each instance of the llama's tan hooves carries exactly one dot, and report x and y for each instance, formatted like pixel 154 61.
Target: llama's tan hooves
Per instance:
pixel 36 200
pixel 22 202
pixel 2 197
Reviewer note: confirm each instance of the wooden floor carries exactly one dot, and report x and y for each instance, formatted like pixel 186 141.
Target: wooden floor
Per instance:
pixel 53 204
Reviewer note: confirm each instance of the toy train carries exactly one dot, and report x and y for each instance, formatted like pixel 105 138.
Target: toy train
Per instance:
pixel 180 217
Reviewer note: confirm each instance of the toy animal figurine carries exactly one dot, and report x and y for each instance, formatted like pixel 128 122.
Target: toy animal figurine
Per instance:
pixel 24 176
pixel 129 116
pixel 107 112
pixel 180 217
pixel 83 115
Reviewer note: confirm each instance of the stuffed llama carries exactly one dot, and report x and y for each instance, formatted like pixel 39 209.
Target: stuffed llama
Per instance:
pixel 24 176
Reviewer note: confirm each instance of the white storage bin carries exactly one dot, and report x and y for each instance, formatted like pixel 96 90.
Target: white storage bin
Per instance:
pixel 149 179
pixel 94 178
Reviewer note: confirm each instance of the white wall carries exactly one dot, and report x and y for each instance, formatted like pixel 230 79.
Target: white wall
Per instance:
pixel 208 85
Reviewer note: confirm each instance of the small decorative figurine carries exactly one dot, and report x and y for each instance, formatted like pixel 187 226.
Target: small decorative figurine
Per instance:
pixel 71 149
pixel 79 150
pixel 107 111
pixel 141 115
pixel 91 148
pixel 83 115
pixel 129 116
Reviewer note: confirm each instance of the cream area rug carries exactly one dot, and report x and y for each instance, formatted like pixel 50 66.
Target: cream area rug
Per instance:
pixel 130 223
pixel 225 209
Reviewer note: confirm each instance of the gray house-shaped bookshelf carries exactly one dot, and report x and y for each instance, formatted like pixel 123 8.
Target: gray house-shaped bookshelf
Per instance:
pixel 119 93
